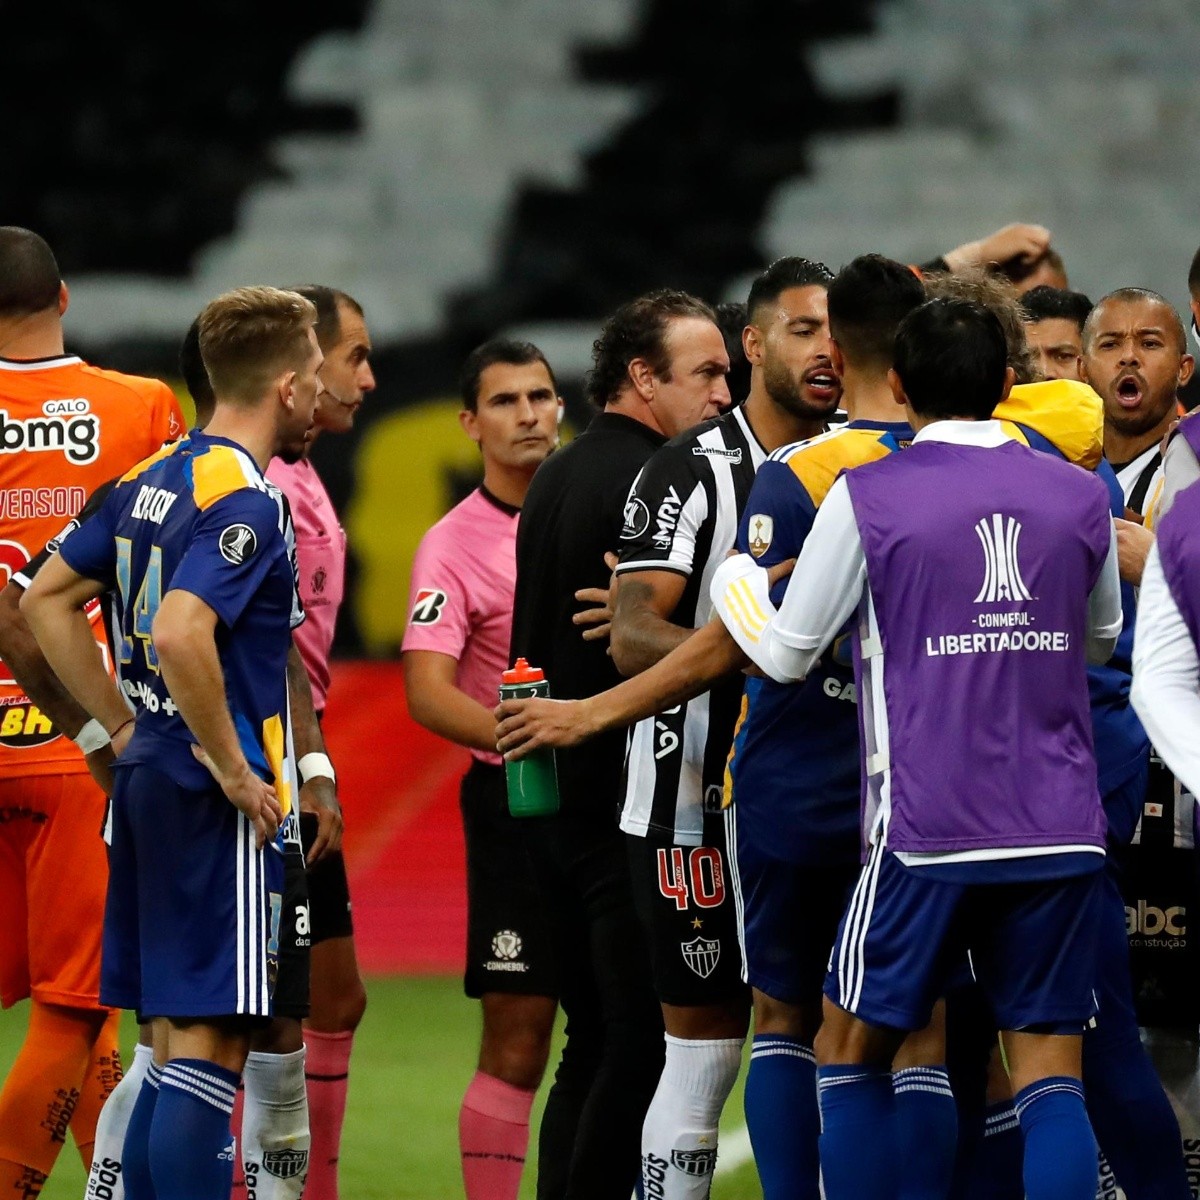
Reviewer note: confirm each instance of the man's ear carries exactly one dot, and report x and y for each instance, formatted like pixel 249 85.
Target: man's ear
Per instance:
pixel 1010 378
pixel 752 345
pixel 641 375
pixel 287 390
pixel 897 387
pixel 64 299
pixel 837 358
pixel 470 423
pixel 1187 364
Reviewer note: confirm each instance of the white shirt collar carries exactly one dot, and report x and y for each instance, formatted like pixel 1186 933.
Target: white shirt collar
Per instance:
pixel 964 433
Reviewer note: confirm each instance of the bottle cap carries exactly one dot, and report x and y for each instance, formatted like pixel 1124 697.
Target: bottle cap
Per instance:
pixel 522 672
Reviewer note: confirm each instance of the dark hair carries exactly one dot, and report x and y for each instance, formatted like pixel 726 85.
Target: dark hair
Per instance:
pixel 868 299
pixel 951 357
pixel 782 274
pixel 1194 277
pixel 195 375
pixel 1046 303
pixel 638 329
pixel 732 321
pixel 1136 295
pixel 498 350
pixel 327 302
pixel 1016 269
pixel 29 276
pixel 999 297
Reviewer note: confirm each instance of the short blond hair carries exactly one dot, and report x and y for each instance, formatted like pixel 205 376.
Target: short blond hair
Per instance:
pixel 250 335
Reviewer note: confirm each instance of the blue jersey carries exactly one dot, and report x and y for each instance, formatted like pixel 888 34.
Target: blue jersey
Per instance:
pixel 199 516
pixel 794 769
pixel 1122 747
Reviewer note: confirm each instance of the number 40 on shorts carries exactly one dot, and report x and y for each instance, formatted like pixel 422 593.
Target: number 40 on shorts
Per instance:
pixel 697 873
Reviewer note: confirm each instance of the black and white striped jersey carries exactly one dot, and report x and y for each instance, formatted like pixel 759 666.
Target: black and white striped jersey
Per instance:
pixel 682 516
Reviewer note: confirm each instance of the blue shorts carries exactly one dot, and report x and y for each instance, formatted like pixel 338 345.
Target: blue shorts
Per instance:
pixel 191 924
pixel 788 916
pixel 1032 946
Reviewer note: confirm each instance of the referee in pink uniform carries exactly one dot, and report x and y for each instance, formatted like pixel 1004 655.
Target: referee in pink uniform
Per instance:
pixel 338 998
pixel 455 648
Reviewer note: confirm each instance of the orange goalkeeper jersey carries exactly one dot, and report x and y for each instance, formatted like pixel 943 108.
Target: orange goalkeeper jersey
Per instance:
pixel 65 428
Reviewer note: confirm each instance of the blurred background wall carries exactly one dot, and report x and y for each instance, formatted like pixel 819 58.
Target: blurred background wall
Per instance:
pixel 472 167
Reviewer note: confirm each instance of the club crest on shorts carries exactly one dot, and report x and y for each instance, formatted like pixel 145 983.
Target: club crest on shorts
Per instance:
pixel 701 955
pixel 285 1164
pixel 762 530
pixel 237 543
pixel 694 1162
pixel 506 945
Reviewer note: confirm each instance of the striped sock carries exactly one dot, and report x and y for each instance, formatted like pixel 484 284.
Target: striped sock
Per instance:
pixel 1060 1151
pixel 782 1116
pixel 858 1132
pixel 191 1146
pixel 926 1132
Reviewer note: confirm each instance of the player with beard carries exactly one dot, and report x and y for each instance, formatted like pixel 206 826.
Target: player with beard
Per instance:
pixel 1135 355
pixel 681 520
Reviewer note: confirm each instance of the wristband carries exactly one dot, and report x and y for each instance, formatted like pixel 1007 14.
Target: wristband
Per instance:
pixel 315 765
pixel 92 737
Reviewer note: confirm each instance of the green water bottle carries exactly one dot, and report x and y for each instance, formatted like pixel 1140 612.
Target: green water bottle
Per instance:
pixel 532 781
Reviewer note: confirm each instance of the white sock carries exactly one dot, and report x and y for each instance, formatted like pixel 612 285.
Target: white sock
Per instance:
pixel 679 1136
pixel 275 1136
pixel 106 1180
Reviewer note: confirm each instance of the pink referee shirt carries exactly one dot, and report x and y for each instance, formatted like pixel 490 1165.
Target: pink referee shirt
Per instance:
pixel 321 557
pixel 463 581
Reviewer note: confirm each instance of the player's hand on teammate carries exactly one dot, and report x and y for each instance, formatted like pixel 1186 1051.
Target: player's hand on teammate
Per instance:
pixel 250 795
pixel 598 620
pixel 319 797
pixel 523 726
pixel 1133 548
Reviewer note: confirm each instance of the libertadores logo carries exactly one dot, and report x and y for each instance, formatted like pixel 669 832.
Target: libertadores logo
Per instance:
pixel 1002 580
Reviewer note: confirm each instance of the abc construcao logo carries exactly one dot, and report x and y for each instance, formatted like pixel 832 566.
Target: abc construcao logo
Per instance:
pixel 1151 921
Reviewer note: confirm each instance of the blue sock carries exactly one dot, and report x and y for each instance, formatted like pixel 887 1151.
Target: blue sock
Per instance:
pixel 135 1155
pixel 191 1146
pixel 858 1135
pixel 783 1118
pixel 1061 1160
pixel 1133 1119
pixel 996 1172
pixel 926 1132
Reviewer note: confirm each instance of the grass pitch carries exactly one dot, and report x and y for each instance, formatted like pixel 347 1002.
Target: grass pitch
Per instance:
pixel 413 1057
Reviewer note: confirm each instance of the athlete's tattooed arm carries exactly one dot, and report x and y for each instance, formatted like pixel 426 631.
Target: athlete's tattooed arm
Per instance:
pixel 642 632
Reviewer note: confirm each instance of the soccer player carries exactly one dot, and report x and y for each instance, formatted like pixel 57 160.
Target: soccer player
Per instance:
pixel 1054 321
pixel 681 517
pixel 1166 661
pixel 193 540
pixel 67 427
pixel 1135 355
pixel 972 847
pixel 455 649
pixel 793 776
pixel 1128 1108
pixel 658 368
pixel 337 996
